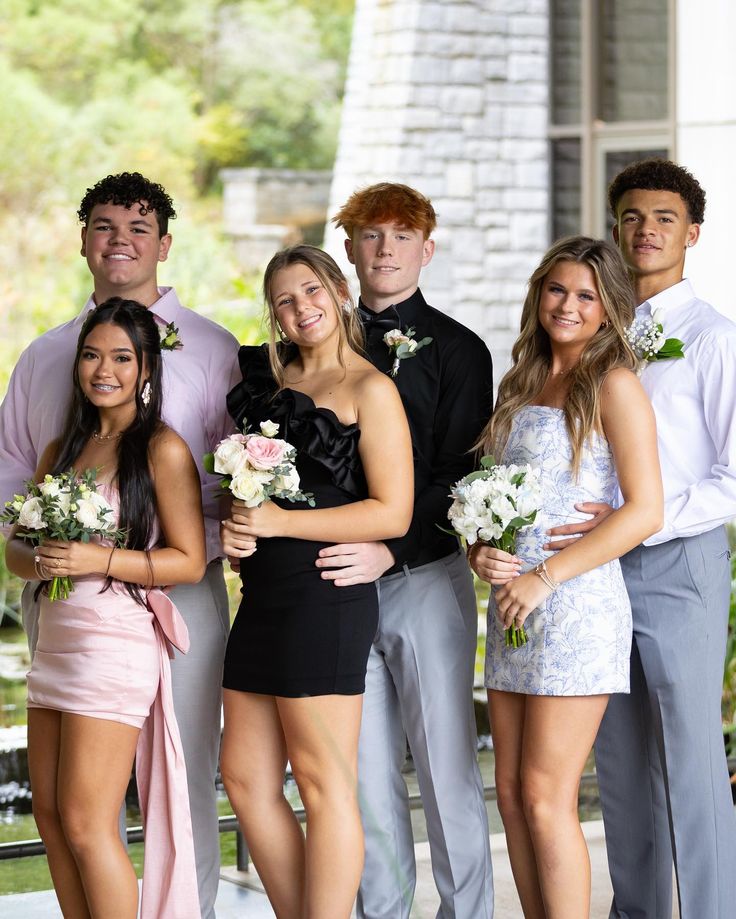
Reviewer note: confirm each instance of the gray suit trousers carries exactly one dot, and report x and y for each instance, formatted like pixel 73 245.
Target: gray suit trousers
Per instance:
pixel 659 753
pixel 419 686
pixel 197 688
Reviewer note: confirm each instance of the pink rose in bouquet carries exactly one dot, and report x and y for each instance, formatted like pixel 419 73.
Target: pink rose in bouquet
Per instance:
pixel 265 452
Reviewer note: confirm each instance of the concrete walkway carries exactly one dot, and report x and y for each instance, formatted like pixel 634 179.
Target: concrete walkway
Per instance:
pixel 238 902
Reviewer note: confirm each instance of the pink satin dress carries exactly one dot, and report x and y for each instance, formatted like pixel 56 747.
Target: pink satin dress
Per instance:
pixel 102 655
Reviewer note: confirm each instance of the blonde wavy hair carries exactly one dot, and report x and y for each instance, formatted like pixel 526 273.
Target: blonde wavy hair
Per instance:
pixel 349 328
pixel 531 354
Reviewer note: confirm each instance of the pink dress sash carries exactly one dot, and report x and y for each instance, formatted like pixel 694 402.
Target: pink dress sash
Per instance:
pixel 169 869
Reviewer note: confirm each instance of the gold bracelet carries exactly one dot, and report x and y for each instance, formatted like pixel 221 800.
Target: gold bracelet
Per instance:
pixel 542 572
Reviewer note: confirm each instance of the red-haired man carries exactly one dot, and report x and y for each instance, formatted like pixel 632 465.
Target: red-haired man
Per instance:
pixel 420 672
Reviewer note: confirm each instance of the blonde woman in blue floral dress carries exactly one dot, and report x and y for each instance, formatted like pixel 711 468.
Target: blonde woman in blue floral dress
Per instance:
pixel 571 405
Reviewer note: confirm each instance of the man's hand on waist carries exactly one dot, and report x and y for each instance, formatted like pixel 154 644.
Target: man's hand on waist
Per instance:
pixel 354 563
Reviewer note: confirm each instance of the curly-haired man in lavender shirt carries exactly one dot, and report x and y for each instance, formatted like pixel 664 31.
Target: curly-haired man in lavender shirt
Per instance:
pixel 124 237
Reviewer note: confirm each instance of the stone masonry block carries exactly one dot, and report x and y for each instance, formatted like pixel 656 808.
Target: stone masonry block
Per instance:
pixel 416 117
pixel 460 179
pixel 482 149
pixel 529 25
pixel 461 17
pixel 525 199
pixel 430 69
pixel 466 241
pixel 525 121
pixel 534 174
pixel 517 149
pixel 528 231
pixel 496 68
pixel 467 271
pixel 527 67
pixel 497 239
pixel 524 45
pixel 467 70
pixel 455 212
pixel 462 100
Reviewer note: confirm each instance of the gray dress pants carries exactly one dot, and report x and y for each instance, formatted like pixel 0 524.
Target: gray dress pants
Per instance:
pixel 419 686
pixel 659 753
pixel 197 688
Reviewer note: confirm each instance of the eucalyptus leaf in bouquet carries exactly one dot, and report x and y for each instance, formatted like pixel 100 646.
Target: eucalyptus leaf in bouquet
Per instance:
pixel 257 467
pixel 66 507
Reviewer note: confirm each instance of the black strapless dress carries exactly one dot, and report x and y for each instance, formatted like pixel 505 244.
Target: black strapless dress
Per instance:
pixel 296 634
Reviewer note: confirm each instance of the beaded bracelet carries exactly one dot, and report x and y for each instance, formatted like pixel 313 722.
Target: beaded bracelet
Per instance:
pixel 541 571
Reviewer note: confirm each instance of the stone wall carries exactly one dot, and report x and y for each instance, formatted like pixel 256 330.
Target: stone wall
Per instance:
pixel 451 97
pixel 264 209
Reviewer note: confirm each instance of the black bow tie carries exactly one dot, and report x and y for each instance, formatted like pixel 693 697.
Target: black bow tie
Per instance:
pixel 385 321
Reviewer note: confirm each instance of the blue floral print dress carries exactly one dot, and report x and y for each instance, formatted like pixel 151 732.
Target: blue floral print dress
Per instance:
pixel 580 638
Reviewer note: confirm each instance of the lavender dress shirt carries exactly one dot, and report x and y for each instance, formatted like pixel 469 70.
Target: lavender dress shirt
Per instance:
pixel 196 381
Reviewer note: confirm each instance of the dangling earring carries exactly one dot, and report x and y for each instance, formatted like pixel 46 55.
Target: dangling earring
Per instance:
pixel 346 307
pixel 284 338
pixel 146 393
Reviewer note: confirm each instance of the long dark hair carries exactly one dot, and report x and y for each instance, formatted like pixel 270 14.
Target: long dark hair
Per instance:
pixel 135 485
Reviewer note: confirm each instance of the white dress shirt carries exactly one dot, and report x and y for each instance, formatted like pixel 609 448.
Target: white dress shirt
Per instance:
pixel 694 401
pixel 196 380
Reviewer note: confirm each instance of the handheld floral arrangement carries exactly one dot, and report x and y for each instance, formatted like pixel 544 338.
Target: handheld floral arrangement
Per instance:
pixel 491 505
pixel 257 467
pixel 647 339
pixel 66 507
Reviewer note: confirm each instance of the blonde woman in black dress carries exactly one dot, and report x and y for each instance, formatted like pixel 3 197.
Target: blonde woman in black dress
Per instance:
pixel 296 659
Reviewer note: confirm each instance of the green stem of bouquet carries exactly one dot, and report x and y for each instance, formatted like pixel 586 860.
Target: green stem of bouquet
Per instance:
pixel 513 637
pixel 60 588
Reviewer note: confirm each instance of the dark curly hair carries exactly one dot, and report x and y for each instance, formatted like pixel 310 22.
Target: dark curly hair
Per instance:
pixel 659 175
pixel 129 188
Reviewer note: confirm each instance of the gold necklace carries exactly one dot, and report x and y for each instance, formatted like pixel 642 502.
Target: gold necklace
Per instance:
pixel 97 436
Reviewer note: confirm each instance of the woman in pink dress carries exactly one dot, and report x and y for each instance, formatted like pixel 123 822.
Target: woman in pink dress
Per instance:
pixel 99 684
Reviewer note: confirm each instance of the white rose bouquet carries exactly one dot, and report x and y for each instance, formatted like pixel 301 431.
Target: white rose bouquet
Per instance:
pixel 491 505
pixel 66 507
pixel 257 467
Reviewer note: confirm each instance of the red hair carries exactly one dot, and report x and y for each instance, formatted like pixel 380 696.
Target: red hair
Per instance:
pixel 387 202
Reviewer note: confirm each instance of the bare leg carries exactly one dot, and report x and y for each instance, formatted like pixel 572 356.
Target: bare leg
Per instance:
pixel 44 735
pixel 253 763
pixel 558 736
pixel 507 715
pixel 95 761
pixel 322 739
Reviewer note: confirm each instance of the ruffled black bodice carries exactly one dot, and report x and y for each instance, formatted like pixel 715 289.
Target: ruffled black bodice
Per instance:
pixel 315 431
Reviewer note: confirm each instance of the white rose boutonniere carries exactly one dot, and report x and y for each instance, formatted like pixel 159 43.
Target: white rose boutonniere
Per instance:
pixel 646 337
pixel 403 345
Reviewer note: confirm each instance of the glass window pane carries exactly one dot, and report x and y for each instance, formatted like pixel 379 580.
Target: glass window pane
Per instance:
pixel 565 51
pixel 566 187
pixel 616 160
pixel 632 63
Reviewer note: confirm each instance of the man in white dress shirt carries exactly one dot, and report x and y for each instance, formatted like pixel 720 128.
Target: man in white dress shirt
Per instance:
pixel 660 755
pixel 124 237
